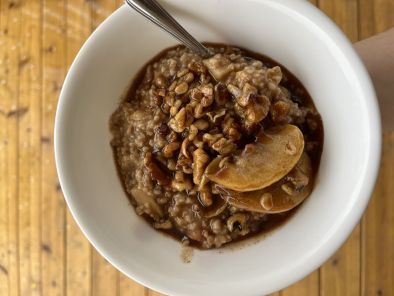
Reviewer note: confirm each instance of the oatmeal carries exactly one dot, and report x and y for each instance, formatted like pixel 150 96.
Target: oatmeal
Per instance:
pixel 216 150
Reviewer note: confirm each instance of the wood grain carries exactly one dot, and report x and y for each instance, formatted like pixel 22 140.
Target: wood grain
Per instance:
pixel 10 24
pixel 129 287
pixel 377 16
pixel 53 241
pixel 29 162
pixel 344 13
pixel 307 286
pixel 42 250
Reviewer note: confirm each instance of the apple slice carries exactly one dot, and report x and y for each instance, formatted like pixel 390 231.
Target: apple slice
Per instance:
pixel 262 163
pixel 279 197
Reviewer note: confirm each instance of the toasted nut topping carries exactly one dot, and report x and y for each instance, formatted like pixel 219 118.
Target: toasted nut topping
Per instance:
pixel 189 77
pixel 201 124
pixel 181 88
pixel 197 67
pixel 224 146
pixel 211 139
pixel 288 188
pixel 175 108
pixel 184 147
pixel 172 86
pixel 205 196
pixel 182 72
pixel 198 111
pixel 169 149
pixel 193 131
pixel 200 161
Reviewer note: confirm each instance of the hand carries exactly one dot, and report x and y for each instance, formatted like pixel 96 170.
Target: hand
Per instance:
pixel 378 55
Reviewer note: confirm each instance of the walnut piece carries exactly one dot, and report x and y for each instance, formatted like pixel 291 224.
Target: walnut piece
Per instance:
pixel 224 146
pixel 156 172
pixel 169 149
pixel 200 161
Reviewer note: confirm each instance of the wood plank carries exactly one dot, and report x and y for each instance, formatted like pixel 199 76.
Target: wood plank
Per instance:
pixel 9 110
pixel 308 286
pixel 79 250
pixel 29 176
pixel 129 287
pixel 344 14
pixel 105 280
pixel 377 16
pixel 341 274
pixel 53 206
pixel 378 234
pixel 101 9
pixel 154 293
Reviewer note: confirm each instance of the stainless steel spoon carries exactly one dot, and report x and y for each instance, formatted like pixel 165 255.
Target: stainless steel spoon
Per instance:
pixel 153 11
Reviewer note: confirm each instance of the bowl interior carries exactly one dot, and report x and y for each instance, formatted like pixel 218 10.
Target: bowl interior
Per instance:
pixel 293 33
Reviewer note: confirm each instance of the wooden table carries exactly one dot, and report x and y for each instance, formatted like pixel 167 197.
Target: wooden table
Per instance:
pixel 42 251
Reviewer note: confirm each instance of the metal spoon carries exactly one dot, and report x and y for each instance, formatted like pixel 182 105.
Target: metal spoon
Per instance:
pixel 158 15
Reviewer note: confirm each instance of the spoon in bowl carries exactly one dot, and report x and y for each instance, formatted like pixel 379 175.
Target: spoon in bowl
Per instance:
pixel 153 11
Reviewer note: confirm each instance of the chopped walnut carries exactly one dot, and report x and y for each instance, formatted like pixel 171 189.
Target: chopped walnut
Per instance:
pixel 222 95
pixel 175 107
pixel 205 196
pixel 181 182
pixel 196 95
pixel 247 91
pixel 185 164
pixel 197 67
pixel 181 88
pixel 224 146
pixel 156 172
pixel 280 111
pixel 184 147
pixel 199 111
pixel 180 121
pixel 201 124
pixel 235 91
pixel 257 110
pixel 215 116
pixel 207 98
pixel 200 161
pixel 210 139
pixel 169 99
pixel 193 131
pixel 169 149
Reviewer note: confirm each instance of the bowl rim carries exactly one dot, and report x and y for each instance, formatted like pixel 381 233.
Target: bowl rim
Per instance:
pixel 307 11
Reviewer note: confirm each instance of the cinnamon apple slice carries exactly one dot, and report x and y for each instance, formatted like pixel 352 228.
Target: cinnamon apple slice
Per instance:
pixel 262 163
pixel 280 197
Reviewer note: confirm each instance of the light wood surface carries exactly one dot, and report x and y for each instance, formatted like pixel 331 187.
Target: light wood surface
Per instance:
pixel 42 251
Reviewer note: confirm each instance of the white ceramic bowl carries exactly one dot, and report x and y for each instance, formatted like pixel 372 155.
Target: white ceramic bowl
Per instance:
pixel 292 32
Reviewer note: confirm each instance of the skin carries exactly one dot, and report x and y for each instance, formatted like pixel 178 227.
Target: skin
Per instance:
pixel 377 53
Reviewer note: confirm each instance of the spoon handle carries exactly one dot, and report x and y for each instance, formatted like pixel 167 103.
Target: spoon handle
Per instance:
pixel 153 11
